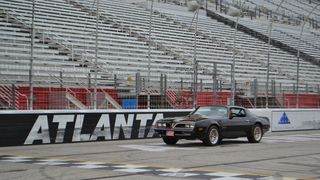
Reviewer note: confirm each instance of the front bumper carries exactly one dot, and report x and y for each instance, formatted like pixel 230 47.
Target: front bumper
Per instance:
pixel 181 133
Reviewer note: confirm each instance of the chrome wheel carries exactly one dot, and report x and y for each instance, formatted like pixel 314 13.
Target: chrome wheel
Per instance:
pixel 257 133
pixel 214 136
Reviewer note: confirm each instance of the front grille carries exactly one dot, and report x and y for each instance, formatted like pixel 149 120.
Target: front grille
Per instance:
pixel 180 126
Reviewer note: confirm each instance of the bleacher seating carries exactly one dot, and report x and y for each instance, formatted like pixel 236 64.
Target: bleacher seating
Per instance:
pixel 281 61
pixel 65 46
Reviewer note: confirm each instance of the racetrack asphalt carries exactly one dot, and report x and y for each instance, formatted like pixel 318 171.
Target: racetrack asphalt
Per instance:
pixel 280 155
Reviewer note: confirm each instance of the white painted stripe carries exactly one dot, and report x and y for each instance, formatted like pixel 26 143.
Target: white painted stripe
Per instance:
pixel 129 166
pixel 133 170
pixel 223 174
pixel 171 170
pixel 232 178
pixel 16 159
pixel 90 166
pixel 89 162
pixel 179 174
pixel 52 163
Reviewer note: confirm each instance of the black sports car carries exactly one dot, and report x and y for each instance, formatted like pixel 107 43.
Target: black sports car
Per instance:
pixel 213 123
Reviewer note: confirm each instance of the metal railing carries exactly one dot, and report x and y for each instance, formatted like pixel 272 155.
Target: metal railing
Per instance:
pixel 198 89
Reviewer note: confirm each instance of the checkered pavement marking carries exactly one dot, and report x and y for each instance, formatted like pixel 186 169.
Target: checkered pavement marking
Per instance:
pixel 89 165
pixel 138 169
pixel 16 159
pixel 131 168
pixel 51 162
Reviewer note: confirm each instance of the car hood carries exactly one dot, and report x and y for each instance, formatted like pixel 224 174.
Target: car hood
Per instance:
pixel 191 117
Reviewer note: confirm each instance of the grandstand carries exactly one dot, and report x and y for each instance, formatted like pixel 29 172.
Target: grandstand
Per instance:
pixel 65 48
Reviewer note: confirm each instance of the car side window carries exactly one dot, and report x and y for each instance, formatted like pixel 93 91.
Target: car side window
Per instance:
pixel 238 112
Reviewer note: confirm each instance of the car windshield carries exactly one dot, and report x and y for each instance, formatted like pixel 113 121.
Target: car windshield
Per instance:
pixel 212 111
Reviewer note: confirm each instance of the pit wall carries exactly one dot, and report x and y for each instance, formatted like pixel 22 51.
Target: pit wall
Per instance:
pixel 67 126
pixel 291 119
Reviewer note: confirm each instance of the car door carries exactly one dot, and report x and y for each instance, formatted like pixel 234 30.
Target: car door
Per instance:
pixel 236 126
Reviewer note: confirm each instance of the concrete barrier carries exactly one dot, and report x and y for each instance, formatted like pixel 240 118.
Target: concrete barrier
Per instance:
pixel 66 126
pixel 291 119
pixel 48 127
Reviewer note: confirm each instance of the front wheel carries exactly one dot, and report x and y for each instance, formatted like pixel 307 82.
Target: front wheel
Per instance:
pixel 212 136
pixel 256 134
pixel 170 140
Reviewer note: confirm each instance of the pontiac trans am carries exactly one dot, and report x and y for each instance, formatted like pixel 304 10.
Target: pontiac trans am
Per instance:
pixel 211 124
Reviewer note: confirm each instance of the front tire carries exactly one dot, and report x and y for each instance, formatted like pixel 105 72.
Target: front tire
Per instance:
pixel 212 136
pixel 170 140
pixel 256 134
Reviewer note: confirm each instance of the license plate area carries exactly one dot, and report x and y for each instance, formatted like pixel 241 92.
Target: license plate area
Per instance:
pixel 170 133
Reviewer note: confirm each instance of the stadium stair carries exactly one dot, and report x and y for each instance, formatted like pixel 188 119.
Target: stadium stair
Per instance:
pixel 263 37
pixel 8 100
pixel 75 101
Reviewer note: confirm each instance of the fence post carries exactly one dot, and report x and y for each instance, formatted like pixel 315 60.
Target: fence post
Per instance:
pixel 181 90
pixel 273 91
pixel 165 84
pixel 281 94
pixel 318 95
pixel 161 90
pixel 115 80
pixel 307 88
pixel 13 96
pixel 31 57
pixel 138 84
pixel 255 91
pixel 89 80
pixel 215 84
pixel 138 88
pixel 61 80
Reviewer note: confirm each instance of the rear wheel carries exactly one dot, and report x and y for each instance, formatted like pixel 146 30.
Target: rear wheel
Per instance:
pixel 170 140
pixel 256 134
pixel 212 136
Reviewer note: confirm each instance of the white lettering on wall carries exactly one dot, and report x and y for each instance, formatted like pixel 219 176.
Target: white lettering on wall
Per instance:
pixel 102 129
pixel 143 123
pixel 77 136
pixel 125 124
pixel 39 131
pixel 62 121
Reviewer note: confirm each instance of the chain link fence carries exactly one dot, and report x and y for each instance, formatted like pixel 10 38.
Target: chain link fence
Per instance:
pixel 163 95
pixel 218 52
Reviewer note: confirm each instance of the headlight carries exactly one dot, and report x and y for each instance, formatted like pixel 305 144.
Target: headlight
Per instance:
pixel 189 126
pixel 161 124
